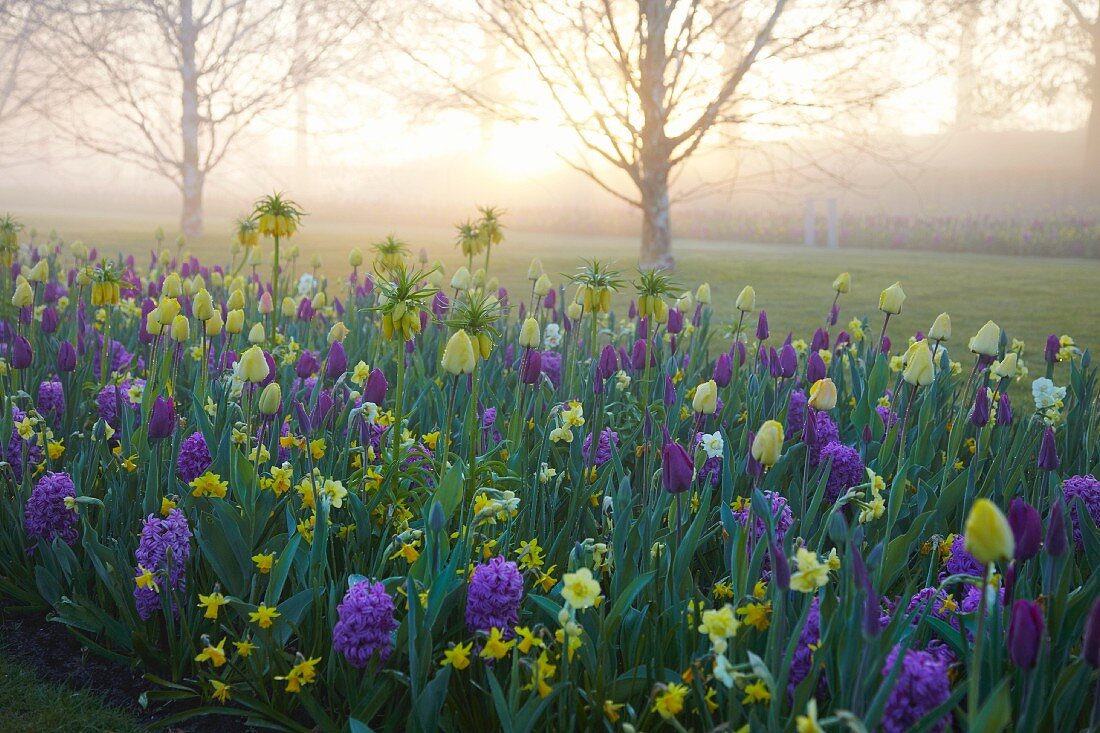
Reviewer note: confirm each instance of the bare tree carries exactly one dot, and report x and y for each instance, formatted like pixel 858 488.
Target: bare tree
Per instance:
pixel 174 85
pixel 645 85
pixel 1083 53
pixel 23 76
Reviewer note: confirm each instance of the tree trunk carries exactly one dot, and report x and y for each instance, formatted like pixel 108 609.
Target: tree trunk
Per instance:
pixel 191 175
pixel 1092 132
pixel 656 225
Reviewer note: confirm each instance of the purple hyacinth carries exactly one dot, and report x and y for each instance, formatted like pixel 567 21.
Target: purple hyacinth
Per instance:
pixel 489 433
pixel 922 685
pixel 114 397
pixel 194 457
pixel 365 625
pixel 51 401
pixel 962 562
pixel 493 597
pixel 796 412
pixel 845 471
pixel 780 511
pixel 119 359
pixel 608 439
pixel 551 367
pixel 16 447
pixel 45 515
pixel 825 432
pixel 941 607
pixel 1087 489
pixel 802 662
pixel 889 417
pixel 161 537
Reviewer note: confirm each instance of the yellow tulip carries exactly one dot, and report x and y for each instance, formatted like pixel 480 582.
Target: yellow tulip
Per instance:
pixel 891 299
pixel 213 324
pixel 458 356
pixel 355 258
pixel 203 306
pixel 234 321
pixel 843 283
pixel 543 285
pixel 534 270
pixel 1006 367
pixel 40 273
pixel 574 311
pixel 271 399
pixel 706 398
pixel 288 307
pixel 823 394
pixel 236 300
pixel 23 296
pixel 256 334
pixel 253 367
pixel 173 288
pixel 338 332
pixel 920 369
pixel 941 328
pixel 988 535
pixel 181 329
pixel 703 294
pixel 987 341
pixel 767 446
pixel 461 279
pixel 319 301
pixel 746 300
pixel 167 310
pixel 529 336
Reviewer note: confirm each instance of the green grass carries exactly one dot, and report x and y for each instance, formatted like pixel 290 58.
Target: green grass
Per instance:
pixel 1029 297
pixel 29 705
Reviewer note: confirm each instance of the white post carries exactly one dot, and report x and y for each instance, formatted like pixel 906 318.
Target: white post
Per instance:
pixel 809 226
pixel 834 237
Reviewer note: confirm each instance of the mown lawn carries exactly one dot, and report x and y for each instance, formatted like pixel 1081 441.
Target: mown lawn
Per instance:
pixel 1029 297
pixel 29 705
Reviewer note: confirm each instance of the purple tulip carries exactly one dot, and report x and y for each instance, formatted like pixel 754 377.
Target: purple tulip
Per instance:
pixel 775 367
pixel 424 319
pixel 607 364
pixel 532 367
pixel 147 306
pixel 338 306
pixel 742 355
pixel 788 361
pixel 834 314
pixel 50 319
pixel 1054 345
pixel 632 311
pixel 551 299
pixel 752 466
pixel 762 331
pixel 270 370
pixel 1025 633
pixel 979 414
pixel 675 321
pixel 624 359
pixel 637 355
pixel 22 354
pixel 723 370
pixel 815 368
pixel 678 468
pixel 820 340
pixel 337 360
pixel 322 409
pixel 781 570
pixel 1090 644
pixel 162 418
pixel 305 309
pixel 304 423
pixel 1056 544
pixel 1048 451
pixel 1004 410
pixel 670 391
pixel 1027 527
pixel 307 365
pixel 375 388
pixel 886 344
pixel 66 357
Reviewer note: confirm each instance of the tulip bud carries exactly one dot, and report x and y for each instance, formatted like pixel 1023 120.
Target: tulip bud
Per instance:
pixel 788 361
pixel 767 446
pixel 253 366
pixel 236 300
pixel 1090 643
pixel 1053 348
pixel 50 319
pixel 234 321
pixel 988 534
pixel 167 310
pixel 1025 633
pixel 203 305
pixel 40 273
pixel 271 399
pixel 987 342
pixel 574 311
pixel 781 569
pixel 1048 451
pixel 461 279
pixel 66 357
pixel 941 328
pixel 265 305
pixel 891 299
pixel 162 419
pixel 375 388
pixel 534 270
pixel 723 369
pixel 762 331
pixel 1056 544
pixel 338 332
pixel 1027 528
pixel 746 300
pixel 815 367
pixel 529 336
pixel 256 334
pixel 288 308
pixel 678 469
pixel 22 354
pixel 213 325
pixel 23 297
pixel 979 414
pixel 531 369
pixel 706 398
pixel 675 321
pixel 843 283
pixel 458 356
pixel 172 287
pixel 920 369
pixel 822 395
pixel 319 301
pixel 542 285
pixel 355 258
pixel 337 361
pixel 181 329
pixel 1006 367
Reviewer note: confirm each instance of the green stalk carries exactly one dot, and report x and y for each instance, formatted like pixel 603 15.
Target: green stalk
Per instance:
pixel 397 416
pixel 976 668
pixel 276 307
